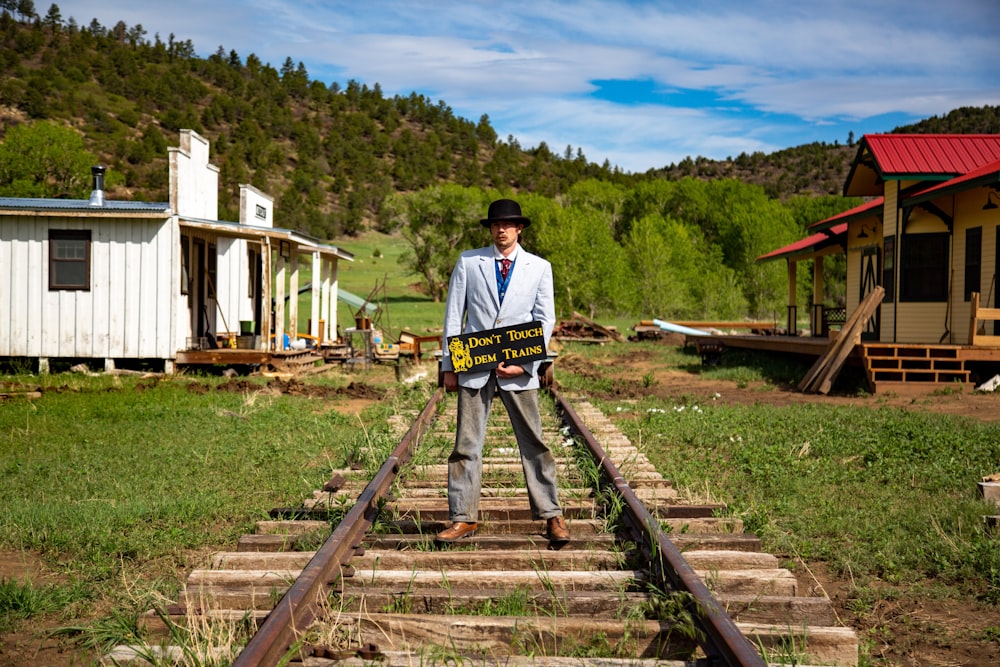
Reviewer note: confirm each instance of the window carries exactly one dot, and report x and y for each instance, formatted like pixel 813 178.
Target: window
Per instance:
pixel 69 259
pixel 973 260
pixel 923 267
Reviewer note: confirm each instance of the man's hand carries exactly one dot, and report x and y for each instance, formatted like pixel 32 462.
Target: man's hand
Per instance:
pixel 450 381
pixel 509 371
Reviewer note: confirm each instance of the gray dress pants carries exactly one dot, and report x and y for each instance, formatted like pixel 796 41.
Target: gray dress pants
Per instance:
pixel 465 464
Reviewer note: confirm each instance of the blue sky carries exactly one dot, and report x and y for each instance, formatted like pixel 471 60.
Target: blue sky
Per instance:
pixel 640 84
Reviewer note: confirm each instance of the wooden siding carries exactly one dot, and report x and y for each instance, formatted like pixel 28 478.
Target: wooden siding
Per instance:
pixel 126 313
pixel 924 323
pixel 969 214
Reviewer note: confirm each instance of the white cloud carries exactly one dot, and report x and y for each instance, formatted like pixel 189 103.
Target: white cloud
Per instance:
pixel 768 73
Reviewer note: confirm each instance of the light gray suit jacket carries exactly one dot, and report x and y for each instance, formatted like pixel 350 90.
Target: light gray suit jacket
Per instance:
pixel 474 305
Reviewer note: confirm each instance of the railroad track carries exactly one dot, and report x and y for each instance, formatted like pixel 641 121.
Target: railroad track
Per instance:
pixel 649 576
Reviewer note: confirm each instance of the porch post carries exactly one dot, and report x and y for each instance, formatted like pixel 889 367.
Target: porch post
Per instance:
pixel 279 304
pixel 816 325
pixel 792 325
pixel 265 295
pixel 331 323
pixel 315 314
pixel 293 296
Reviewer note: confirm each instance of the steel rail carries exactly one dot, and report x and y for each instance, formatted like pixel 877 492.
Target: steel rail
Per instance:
pixel 278 635
pixel 724 643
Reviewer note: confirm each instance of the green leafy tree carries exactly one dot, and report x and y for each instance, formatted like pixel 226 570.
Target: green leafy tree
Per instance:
pixel 44 159
pixel 439 223
pixel 661 256
pixel 589 271
pixel 748 224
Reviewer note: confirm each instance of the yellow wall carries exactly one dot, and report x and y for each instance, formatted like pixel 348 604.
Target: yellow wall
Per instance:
pixel 969 213
pixel 931 323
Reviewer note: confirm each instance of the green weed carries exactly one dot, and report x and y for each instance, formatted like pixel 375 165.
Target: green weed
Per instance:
pixel 23 600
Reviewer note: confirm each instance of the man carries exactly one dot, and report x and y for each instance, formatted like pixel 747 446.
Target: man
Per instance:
pixel 493 287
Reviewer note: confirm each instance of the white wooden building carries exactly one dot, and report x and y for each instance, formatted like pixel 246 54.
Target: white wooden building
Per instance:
pixel 124 282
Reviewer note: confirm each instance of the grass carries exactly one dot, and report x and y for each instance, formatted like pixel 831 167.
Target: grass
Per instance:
pixel 21 600
pixel 377 272
pixel 880 493
pixel 121 485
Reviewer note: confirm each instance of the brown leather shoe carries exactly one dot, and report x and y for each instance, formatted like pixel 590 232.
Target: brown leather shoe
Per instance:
pixel 557 529
pixel 457 531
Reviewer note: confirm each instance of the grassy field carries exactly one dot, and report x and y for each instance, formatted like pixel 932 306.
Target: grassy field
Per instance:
pixel 377 273
pixel 116 486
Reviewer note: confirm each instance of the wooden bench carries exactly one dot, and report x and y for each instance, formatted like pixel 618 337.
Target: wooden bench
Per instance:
pixel 982 315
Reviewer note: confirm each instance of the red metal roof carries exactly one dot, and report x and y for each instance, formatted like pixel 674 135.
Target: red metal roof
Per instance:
pixel 808 244
pixel 988 174
pixel 866 209
pixel 925 154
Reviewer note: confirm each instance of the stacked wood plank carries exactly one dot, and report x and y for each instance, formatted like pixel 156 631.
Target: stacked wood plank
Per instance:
pixel 585 330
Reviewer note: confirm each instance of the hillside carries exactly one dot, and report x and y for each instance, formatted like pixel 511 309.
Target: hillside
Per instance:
pixel 329 154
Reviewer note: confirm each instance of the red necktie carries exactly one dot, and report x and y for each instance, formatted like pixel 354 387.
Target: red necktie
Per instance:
pixel 504 268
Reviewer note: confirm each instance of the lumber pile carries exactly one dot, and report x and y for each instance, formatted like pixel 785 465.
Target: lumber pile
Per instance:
pixel 820 377
pixel 584 330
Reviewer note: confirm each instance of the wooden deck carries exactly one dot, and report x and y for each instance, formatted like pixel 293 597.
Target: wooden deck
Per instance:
pixel 888 366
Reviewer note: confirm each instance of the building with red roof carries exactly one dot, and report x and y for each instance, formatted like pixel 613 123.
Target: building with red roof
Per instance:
pixel 928 236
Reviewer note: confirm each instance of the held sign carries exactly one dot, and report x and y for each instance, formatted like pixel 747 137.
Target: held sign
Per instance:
pixel 484 350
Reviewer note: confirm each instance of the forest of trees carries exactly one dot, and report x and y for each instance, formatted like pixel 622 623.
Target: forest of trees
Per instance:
pixel 680 241
pixel 681 249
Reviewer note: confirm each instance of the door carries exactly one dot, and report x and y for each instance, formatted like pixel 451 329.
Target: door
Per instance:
pixel 200 317
pixel 870 271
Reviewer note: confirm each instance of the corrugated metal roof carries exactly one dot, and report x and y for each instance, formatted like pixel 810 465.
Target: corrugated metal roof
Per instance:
pixel 927 154
pixel 81 205
pixel 988 174
pixel 304 242
pixel 809 244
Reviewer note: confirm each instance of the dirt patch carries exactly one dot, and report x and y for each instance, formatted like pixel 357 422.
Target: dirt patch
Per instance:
pixel 908 632
pixel 33 642
pixel 640 375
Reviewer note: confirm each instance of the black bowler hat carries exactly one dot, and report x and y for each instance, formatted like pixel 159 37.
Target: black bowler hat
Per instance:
pixel 504 210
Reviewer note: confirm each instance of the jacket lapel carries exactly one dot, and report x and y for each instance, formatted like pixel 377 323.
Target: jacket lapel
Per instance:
pixel 490 278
